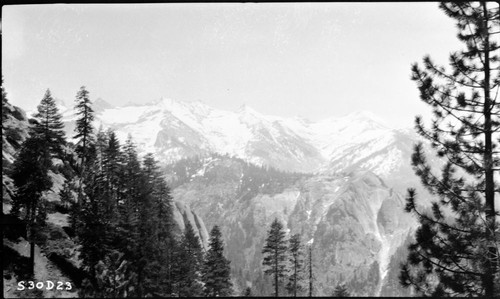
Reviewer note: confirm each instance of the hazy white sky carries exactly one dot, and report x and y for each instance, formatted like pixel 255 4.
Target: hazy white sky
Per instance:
pixel 314 60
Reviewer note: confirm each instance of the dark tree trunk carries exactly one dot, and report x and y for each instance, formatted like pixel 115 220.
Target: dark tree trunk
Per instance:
pixel 276 275
pixel 488 165
pixel 310 272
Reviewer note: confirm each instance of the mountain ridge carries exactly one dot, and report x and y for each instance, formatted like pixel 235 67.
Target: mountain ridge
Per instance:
pixel 353 220
pixel 174 129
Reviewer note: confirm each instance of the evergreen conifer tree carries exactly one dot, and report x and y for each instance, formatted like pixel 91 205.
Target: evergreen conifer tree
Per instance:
pixel 49 127
pixel 161 223
pixel 98 207
pixel 96 222
pixel 162 199
pixel 30 170
pixel 71 203
pixel 112 161
pixel 188 261
pixel 66 195
pixel 216 276
pixel 131 177
pixel 94 169
pixel 172 276
pixel 310 266
pixel 275 253
pixel 84 129
pixel 149 225
pixel 341 291
pixel 100 148
pixel 456 252
pixel 112 278
pixel 123 190
pixel 143 207
pixel 31 180
pixel 297 263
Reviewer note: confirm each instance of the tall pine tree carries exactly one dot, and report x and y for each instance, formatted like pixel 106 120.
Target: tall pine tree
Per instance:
pixel 216 270
pixel 111 163
pixel 124 177
pixel 275 253
pixel 30 170
pixel 49 127
pixel 297 263
pixel 66 195
pixel 310 266
pixel 159 225
pixel 188 262
pixel 31 180
pixel 85 148
pixel 456 252
pixel 84 129
pixel 96 219
pixel 97 215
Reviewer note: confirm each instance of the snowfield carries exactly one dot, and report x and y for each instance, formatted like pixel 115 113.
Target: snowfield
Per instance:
pixel 175 129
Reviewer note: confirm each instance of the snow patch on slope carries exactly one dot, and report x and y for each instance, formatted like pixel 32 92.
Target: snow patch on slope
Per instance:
pixel 175 129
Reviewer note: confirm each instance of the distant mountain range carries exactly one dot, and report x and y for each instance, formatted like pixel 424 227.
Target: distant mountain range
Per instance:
pixel 346 198
pixel 175 129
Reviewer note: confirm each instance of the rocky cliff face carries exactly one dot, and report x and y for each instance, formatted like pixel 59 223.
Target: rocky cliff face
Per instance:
pixel 354 221
pixel 14 131
pixel 359 232
pixel 182 215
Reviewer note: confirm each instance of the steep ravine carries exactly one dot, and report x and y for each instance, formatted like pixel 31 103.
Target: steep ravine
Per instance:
pixel 356 221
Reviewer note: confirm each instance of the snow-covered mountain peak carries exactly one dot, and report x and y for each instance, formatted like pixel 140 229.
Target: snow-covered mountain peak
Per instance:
pixel 247 111
pixel 168 103
pixel 176 129
pixel 250 116
pixel 165 103
pixel 198 108
pixel 101 105
pixel 366 117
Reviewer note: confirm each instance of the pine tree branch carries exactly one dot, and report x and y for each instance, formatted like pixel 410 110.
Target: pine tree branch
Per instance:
pixel 446 268
pixel 466 75
pixel 454 256
pixel 440 104
pixel 423 216
pixel 472 34
pixel 494 101
pixel 425 134
pixel 457 117
pixel 457 108
pixel 433 68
